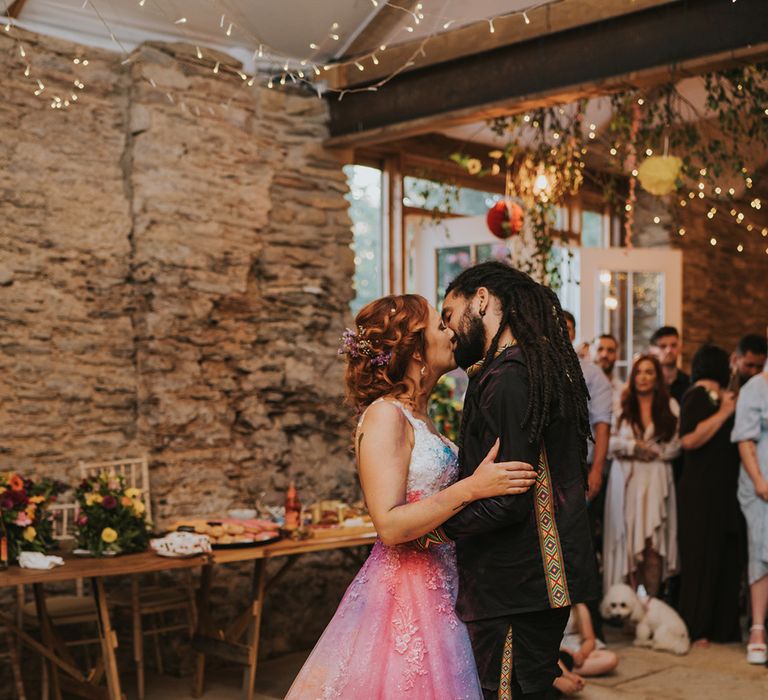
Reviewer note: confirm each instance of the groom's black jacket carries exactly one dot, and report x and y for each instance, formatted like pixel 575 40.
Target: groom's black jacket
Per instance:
pixel 527 552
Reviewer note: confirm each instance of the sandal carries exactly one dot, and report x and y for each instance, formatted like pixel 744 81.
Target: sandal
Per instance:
pixel 757 653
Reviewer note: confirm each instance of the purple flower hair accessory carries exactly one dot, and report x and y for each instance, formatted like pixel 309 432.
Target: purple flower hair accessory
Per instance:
pixel 354 344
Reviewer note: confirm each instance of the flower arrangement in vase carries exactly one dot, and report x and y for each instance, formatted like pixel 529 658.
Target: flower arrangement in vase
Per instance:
pixel 25 522
pixel 112 518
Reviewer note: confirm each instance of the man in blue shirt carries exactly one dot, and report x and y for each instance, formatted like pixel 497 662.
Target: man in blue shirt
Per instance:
pixel 600 407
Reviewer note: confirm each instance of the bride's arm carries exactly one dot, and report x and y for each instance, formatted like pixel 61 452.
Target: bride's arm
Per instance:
pixel 384 444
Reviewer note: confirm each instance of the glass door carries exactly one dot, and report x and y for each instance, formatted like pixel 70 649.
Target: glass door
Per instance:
pixel 629 293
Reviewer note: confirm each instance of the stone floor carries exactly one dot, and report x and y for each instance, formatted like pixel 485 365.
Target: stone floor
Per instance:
pixel 717 673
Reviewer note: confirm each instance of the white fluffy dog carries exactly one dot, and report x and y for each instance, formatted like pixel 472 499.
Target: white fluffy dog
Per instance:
pixel 657 626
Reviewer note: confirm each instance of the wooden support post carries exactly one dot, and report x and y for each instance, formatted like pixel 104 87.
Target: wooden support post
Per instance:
pixel 49 639
pixel 257 604
pixel 203 628
pixel 138 636
pixel 108 640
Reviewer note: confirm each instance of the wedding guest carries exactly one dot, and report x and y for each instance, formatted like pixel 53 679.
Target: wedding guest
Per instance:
pixel 600 410
pixel 579 642
pixel 599 405
pixel 751 434
pixel 749 357
pixel 605 352
pixel 667 346
pixel 640 533
pixel 710 527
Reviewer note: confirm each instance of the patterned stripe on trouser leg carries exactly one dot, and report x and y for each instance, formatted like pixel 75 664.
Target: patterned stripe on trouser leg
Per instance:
pixel 505 681
pixel 549 538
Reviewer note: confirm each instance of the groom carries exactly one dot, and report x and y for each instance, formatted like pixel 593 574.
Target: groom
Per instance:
pixel 523 560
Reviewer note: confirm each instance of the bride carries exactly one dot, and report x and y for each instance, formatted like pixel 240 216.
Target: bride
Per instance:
pixel 395 633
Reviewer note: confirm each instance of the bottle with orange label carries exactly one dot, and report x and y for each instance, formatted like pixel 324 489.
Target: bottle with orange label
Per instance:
pixel 3 547
pixel 292 508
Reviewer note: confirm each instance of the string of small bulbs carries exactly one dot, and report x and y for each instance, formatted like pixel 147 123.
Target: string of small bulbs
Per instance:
pixel 276 69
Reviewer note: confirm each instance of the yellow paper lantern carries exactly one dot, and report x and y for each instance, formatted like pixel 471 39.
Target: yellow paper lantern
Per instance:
pixel 658 174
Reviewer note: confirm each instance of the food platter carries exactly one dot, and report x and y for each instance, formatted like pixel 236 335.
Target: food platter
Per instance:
pixel 230 533
pixel 252 543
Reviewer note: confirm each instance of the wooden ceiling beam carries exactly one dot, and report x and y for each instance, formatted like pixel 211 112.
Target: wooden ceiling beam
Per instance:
pixel 429 156
pixel 642 49
pixel 380 28
pixel 14 9
pixel 447 45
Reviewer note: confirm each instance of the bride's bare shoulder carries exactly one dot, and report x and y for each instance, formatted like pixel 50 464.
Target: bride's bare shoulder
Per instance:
pixel 384 414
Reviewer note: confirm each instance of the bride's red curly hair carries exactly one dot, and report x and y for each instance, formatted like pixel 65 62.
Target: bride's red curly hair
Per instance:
pixel 394 324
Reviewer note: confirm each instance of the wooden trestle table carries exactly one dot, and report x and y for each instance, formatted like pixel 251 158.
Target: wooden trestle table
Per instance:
pixel 239 642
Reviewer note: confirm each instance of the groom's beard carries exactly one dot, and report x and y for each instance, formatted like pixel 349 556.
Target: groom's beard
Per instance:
pixel 470 343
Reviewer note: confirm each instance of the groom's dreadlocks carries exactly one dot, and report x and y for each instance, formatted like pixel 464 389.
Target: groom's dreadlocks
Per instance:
pixel 534 315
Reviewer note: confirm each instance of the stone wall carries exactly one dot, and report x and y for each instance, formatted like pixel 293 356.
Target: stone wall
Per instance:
pixel 175 273
pixel 725 295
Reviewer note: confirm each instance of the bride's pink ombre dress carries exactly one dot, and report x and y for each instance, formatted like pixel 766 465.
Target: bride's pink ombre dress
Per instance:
pixel 395 634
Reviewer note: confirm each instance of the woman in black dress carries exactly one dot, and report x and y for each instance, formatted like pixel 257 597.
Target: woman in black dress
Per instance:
pixel 710 524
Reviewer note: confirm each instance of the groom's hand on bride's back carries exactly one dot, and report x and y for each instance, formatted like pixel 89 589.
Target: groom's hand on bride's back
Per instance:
pixel 492 478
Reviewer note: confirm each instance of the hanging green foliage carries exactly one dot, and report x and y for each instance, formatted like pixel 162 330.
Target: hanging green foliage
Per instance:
pixel 657 136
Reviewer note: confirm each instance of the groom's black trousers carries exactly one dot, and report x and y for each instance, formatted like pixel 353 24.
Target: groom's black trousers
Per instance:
pixel 535 638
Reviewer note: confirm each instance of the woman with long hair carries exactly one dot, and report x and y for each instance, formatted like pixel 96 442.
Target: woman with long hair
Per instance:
pixel 640 536
pixel 710 525
pixel 396 633
pixel 750 432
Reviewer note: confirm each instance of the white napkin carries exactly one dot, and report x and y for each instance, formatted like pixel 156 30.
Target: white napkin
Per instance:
pixel 181 544
pixel 38 560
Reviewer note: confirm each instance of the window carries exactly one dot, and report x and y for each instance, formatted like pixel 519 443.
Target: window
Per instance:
pixel 419 193
pixel 592 229
pixel 365 210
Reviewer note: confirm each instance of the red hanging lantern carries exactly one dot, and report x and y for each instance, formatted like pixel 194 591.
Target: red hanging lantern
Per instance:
pixel 505 219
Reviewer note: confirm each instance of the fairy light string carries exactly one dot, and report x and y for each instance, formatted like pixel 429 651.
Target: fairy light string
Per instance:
pixel 274 68
pixel 309 69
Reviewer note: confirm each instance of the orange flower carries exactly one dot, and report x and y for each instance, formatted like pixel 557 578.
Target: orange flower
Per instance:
pixel 16 482
pixel 127 502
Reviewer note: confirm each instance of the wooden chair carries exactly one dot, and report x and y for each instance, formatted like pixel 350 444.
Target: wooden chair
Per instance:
pixel 76 609
pixel 12 654
pixel 147 598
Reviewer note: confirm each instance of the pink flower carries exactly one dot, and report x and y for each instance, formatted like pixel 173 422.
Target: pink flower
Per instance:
pixel 82 519
pixel 22 520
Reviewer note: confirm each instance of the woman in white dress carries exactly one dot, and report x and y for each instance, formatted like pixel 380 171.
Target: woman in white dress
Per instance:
pixel 640 537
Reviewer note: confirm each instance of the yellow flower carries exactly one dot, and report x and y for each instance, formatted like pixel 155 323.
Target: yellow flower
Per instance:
pixel 3 489
pixel 138 507
pixel 133 492
pixel 30 511
pixel 29 534
pixel 91 498
pixel 37 499
pixel 108 535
